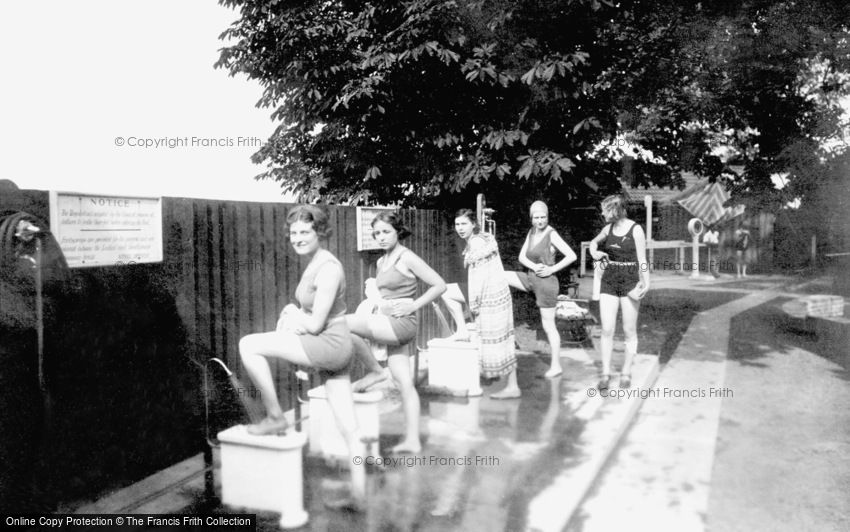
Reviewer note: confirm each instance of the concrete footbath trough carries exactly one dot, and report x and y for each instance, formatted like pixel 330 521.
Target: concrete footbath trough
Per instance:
pixel 454 367
pixel 263 472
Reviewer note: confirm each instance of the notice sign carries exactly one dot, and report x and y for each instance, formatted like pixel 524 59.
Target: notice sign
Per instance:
pixel 96 230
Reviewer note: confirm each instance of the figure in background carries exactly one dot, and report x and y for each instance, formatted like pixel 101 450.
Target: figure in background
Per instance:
pixel 399 271
pixel 490 303
pixel 621 249
pixel 742 243
pixel 538 255
pixel 314 335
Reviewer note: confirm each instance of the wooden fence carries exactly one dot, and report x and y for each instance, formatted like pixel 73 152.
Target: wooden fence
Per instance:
pixel 671 223
pixel 230 268
pixel 125 344
pixel 238 269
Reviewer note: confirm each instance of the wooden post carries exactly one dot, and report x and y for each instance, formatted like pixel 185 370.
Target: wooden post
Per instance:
pixel 814 249
pixel 647 201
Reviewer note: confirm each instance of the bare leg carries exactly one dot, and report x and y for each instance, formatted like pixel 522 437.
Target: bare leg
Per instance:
pixel 511 390
pixel 374 327
pixel 341 402
pixel 608 306
pixel 514 282
pixel 253 350
pixel 453 298
pixel 630 315
pixel 375 372
pixel 547 316
pixel 400 369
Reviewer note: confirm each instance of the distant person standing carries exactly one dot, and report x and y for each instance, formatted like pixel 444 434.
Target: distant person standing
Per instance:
pixel 711 239
pixel 742 244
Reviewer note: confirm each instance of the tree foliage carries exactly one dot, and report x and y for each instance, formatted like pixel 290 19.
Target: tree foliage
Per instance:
pixel 385 101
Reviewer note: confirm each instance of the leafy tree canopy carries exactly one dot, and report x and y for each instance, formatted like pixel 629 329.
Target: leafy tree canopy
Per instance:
pixel 417 101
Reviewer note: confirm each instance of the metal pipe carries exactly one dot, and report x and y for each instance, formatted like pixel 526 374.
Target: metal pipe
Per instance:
pixel 39 314
pixel 209 474
pixel 229 373
pixel 210 441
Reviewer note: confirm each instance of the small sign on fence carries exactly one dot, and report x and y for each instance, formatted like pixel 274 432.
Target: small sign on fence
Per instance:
pixel 100 230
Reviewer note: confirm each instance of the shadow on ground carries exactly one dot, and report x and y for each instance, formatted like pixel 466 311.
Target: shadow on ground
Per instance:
pixel 766 330
pixel 666 314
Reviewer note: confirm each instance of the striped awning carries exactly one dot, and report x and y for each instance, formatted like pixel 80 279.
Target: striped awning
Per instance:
pixel 706 203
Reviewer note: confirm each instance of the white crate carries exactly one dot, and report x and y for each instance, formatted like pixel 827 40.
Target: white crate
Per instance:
pixel 454 365
pixel 815 306
pixel 824 306
pixel 264 473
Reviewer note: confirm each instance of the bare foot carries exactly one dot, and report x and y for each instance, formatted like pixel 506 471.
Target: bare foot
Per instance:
pixel 406 447
pixel 269 426
pixel 507 393
pixel 371 379
pixel 459 336
pixel 553 372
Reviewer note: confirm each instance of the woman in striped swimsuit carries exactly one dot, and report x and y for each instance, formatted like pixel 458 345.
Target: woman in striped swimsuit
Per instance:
pixel 621 248
pixel 399 273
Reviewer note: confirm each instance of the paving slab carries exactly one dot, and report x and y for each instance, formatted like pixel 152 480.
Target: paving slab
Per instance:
pixel 661 475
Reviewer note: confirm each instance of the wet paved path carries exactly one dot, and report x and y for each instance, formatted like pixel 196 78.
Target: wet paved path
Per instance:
pixel 661 474
pixel 527 464
pixel 734 459
pixel 783 443
pixel 484 460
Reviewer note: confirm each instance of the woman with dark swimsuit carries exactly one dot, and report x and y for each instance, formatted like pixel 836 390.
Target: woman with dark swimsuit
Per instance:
pixel 538 255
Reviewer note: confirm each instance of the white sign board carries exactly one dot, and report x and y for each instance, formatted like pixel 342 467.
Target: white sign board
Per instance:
pixel 365 215
pixel 97 230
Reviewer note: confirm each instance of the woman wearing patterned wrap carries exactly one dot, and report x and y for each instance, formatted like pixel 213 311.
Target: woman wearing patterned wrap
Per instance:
pixel 397 279
pixel 538 255
pixel 490 302
pixel 313 335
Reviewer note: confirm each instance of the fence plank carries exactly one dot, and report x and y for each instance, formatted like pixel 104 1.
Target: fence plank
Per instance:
pixel 202 336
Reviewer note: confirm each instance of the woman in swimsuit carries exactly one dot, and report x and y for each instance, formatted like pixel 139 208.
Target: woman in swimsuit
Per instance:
pixel 621 248
pixel 538 255
pixel 314 335
pixel 395 324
